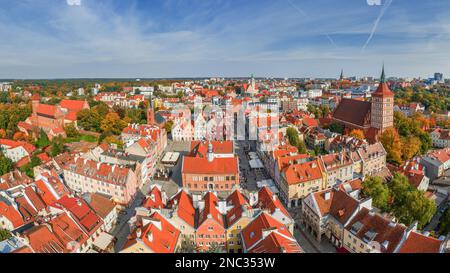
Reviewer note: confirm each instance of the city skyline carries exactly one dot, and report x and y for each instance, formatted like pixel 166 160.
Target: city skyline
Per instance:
pixel 186 39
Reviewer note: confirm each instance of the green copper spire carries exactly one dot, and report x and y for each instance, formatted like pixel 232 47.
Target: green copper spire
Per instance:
pixel 383 76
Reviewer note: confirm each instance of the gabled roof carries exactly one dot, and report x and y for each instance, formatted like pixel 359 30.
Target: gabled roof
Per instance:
pixel 158 235
pixel 303 172
pixel 239 205
pixel 383 91
pixel 343 206
pixel 418 243
pixel 66 230
pixel 154 199
pixel 73 105
pixel 184 207
pixel 353 111
pixel 373 227
pixel 8 211
pixel 102 205
pixel 266 235
pixel 269 201
pixel 42 240
pixel 211 211
pixel 81 213
pixel 34 198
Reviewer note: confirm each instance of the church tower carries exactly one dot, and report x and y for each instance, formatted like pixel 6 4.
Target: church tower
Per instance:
pixel 150 113
pixel 382 112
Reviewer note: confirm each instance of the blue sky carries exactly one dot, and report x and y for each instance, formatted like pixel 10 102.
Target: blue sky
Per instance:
pixel 196 38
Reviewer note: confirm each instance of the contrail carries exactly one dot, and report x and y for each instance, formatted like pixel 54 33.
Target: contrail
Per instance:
pixel 377 21
pixel 302 12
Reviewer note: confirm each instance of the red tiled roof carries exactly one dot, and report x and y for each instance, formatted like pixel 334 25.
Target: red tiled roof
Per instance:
pixel 418 243
pixel 383 91
pixel 43 157
pixel 154 199
pixel 200 148
pixel 43 241
pixel 266 235
pixel 384 230
pixel 10 213
pixel 239 204
pixel 73 105
pixel 210 210
pixel 303 172
pixel 342 206
pixel 34 198
pixel 353 111
pixel 13 144
pixel 322 202
pixel 184 207
pixel 159 235
pixel 66 230
pixel 46 109
pixel 101 204
pixel 268 200
pixel 81 212
pixel 23 161
pixel 197 165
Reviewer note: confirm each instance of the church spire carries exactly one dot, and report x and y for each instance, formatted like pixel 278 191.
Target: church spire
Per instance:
pixel 342 75
pixel 383 76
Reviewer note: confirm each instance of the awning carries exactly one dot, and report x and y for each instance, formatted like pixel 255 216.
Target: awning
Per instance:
pixel 256 164
pixel 103 240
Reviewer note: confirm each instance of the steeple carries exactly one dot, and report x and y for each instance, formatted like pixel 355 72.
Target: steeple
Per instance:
pixel 383 76
pixel 342 75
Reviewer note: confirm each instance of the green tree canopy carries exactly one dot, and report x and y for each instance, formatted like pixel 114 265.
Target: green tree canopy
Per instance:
pixel 6 164
pixel 376 188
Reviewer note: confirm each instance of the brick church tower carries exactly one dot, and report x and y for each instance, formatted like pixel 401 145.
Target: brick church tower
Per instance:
pixel 150 113
pixel 382 112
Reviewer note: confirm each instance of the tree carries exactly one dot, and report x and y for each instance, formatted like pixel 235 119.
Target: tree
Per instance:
pixel 42 140
pixel 4 234
pixel 376 188
pixel 410 147
pixel 28 169
pixel 336 128
pixel 89 120
pixel 392 144
pixel 112 124
pixel 6 164
pixel 57 146
pixel 410 204
pixel 71 130
pixel 295 140
pixel 359 134
pixel 168 126
pixel 113 140
pixel 102 109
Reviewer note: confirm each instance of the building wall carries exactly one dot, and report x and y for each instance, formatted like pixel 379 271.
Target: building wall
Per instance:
pixel 120 193
pixel 210 231
pixel 196 182
pixel 234 239
pixel 355 245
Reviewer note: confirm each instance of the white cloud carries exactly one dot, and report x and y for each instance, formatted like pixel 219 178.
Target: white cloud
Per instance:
pixel 74 2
